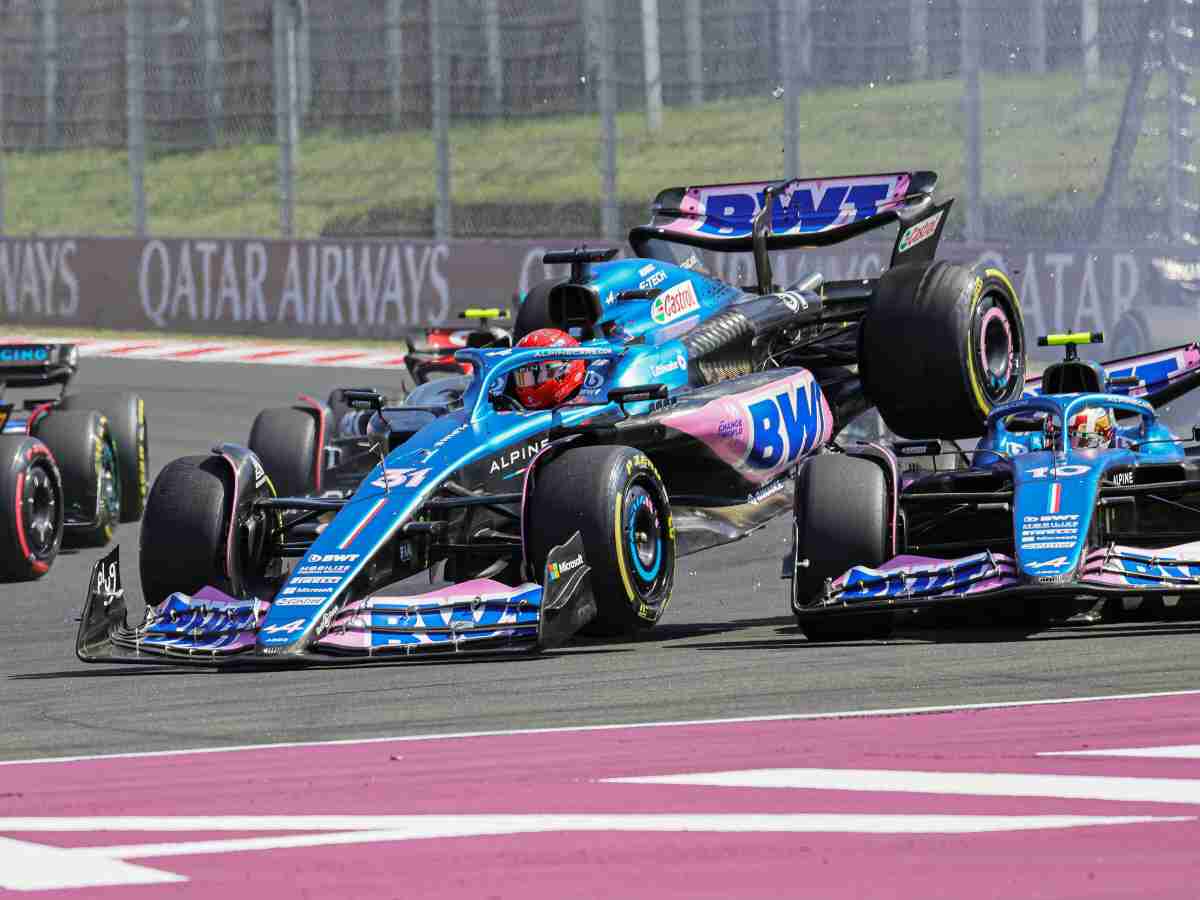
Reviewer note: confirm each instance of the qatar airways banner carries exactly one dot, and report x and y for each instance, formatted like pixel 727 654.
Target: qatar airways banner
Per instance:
pixel 385 288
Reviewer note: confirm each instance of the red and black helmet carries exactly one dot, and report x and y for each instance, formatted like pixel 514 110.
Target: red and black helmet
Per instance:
pixel 546 385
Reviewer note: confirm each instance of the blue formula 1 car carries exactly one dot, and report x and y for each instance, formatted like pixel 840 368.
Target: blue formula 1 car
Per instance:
pixel 1076 492
pixel 697 401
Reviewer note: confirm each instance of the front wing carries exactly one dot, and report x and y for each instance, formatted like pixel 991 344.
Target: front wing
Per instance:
pixel 211 628
pixel 914 582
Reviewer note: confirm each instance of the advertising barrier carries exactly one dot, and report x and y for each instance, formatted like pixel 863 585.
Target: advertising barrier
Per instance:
pixel 354 289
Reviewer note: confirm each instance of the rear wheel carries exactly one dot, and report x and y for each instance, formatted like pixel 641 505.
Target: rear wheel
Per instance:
pixel 842 520
pixel 285 441
pixel 31 508
pixel 184 528
pixel 126 414
pixel 615 499
pixel 87 459
pixel 941 346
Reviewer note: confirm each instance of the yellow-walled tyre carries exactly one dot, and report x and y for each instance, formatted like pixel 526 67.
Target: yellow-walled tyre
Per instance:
pixel 941 345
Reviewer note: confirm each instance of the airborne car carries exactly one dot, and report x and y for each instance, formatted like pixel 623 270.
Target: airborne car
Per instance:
pixel 71 466
pixel 1076 492
pixel 700 398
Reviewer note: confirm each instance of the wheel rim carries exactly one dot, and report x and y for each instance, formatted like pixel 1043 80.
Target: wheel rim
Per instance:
pixel 1000 352
pixel 110 488
pixel 40 512
pixel 643 537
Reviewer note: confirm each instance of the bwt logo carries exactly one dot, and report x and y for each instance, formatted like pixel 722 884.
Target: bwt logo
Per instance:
pixel 808 208
pixel 785 425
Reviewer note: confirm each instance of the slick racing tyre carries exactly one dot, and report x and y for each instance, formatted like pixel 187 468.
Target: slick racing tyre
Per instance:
pixel 941 346
pixel 87 459
pixel 126 414
pixel 31 508
pixel 286 441
pixel 842 520
pixel 184 528
pixel 614 498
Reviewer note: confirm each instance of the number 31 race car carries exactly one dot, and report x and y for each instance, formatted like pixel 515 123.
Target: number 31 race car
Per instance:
pixel 699 399
pixel 1076 492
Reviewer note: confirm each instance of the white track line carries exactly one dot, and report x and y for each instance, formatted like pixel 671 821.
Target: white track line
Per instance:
pixel 566 729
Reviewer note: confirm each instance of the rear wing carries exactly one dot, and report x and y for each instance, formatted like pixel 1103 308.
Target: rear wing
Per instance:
pixel 1159 378
pixel 814 212
pixel 34 365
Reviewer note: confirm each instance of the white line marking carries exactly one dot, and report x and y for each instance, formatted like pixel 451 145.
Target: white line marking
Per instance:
pixel 28 866
pixel 997 784
pixel 1182 751
pixel 565 729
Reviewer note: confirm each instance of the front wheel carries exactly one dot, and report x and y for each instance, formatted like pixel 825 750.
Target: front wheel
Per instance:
pixel 614 497
pixel 184 528
pixel 31 501
pixel 841 520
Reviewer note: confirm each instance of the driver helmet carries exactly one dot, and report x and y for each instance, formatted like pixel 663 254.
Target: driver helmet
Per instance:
pixel 546 385
pixel 1091 428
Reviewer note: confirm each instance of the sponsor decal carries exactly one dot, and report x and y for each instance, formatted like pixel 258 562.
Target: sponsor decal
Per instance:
pixel 692 262
pixel 322 570
pixel 674 303
pixel 784 426
pixel 769 491
pixel 1051 531
pixel 397 478
pixel 1055 499
pixel 403 552
pixel 108 582
pixel 915 234
pixel 260 476
pixel 315 579
pixel 333 557
pixel 290 628
pixel 557 570
pixel 1058 471
pixel 593 380
pixel 731 428
pixel 1123 479
pixel 645 270
pixel 298 601
pixel 653 281
pixel 521 454
pixel 23 355
pixel 1049 563
pixel 678 364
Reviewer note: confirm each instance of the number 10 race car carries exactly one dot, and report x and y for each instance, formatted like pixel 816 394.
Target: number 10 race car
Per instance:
pixel 1076 492
pixel 697 401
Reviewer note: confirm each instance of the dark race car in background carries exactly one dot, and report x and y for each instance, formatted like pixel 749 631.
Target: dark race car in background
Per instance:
pixel 700 398
pixel 1025 529
pixel 431 353
pixel 71 466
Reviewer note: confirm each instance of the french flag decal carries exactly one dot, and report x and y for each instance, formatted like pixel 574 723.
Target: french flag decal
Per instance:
pixel 1055 497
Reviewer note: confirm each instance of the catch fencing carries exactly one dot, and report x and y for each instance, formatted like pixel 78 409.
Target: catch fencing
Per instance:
pixel 1052 120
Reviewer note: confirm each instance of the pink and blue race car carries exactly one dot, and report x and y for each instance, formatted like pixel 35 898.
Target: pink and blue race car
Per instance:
pixel 1075 493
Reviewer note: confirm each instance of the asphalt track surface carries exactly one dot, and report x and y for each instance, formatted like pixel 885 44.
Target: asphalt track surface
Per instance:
pixel 726 648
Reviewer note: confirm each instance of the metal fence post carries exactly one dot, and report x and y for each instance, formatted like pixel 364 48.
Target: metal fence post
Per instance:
pixel 440 88
pixel 918 38
pixel 1037 36
pixel 50 57
pixel 214 82
pixel 789 66
pixel 495 60
pixel 693 37
pixel 1089 33
pixel 2 152
pixel 972 115
pixel 287 132
pixel 135 108
pixel 653 65
pixel 394 41
pixel 610 213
